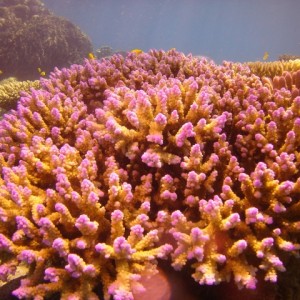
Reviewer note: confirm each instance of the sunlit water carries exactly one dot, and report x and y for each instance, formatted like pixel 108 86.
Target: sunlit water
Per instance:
pixel 238 30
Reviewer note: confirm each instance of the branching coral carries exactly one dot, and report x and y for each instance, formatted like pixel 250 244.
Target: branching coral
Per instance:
pixel 10 89
pixel 107 159
pixel 274 68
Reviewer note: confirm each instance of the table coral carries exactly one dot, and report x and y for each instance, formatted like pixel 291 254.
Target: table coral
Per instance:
pixel 108 159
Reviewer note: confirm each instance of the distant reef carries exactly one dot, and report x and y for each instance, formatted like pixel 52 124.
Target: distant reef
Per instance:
pixel 37 40
pixel 287 57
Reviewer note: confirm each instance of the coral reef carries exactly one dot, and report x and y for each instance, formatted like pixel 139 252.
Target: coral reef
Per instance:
pixel 35 38
pixel 104 51
pixel 114 165
pixel 287 57
pixel 10 89
pixel 273 68
pixel 107 52
pixel 22 9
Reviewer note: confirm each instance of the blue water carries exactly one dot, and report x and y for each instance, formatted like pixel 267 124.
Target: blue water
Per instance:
pixel 238 30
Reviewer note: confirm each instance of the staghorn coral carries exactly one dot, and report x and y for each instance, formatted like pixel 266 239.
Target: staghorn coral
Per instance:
pixel 108 160
pixel 288 80
pixel 273 68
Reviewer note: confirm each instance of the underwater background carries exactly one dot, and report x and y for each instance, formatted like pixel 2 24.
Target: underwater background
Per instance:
pixel 222 30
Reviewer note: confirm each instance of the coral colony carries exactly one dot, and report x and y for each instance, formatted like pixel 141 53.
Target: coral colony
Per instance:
pixel 114 165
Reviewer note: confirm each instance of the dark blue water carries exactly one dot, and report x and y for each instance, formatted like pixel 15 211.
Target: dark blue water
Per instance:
pixel 238 30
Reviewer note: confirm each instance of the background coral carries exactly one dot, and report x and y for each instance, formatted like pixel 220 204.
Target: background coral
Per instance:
pixel 107 51
pixel 10 90
pixel 35 38
pixel 114 165
pixel 274 68
pixel 287 57
pixel 104 51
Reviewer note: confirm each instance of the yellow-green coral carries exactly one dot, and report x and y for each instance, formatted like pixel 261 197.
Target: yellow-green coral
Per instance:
pixel 10 89
pixel 273 68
